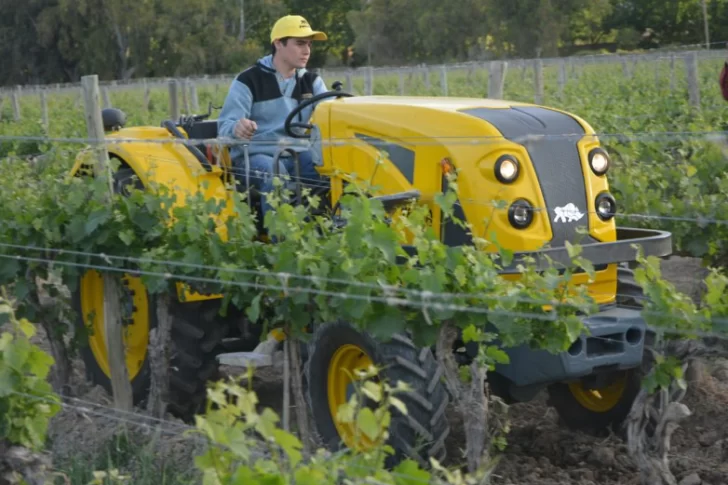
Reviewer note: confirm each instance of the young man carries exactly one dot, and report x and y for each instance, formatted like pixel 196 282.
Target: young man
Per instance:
pixel 262 96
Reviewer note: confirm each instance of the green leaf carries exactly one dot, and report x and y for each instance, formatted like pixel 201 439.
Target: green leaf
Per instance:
pixel 253 311
pixel 94 220
pixel 574 327
pixel 27 328
pixel 372 390
pixel 572 250
pixel 290 444
pixel 127 237
pixel 367 423
pixel 399 405
pixel 387 323
pixel 471 334
pixel 39 363
pixel 7 380
pixel 9 269
pixel 309 476
pixel 408 472
pixel 192 255
pixel 383 238
pixel 36 429
pixel 76 228
pixel 497 355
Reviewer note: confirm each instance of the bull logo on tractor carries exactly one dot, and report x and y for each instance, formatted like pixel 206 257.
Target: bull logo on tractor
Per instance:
pixel 568 213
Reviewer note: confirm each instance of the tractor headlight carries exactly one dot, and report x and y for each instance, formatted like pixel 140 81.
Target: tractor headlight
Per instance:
pixel 606 206
pixel 506 169
pixel 599 161
pixel 520 214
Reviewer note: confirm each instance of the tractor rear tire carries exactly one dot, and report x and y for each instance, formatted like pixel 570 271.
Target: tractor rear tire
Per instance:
pixel 580 409
pixel 196 340
pixel 419 435
pixel 196 335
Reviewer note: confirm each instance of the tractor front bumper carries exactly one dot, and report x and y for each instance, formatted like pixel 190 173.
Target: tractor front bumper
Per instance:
pixel 623 250
pixel 614 340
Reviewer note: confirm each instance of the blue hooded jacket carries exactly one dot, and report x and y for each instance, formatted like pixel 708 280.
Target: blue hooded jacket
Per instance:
pixel 261 94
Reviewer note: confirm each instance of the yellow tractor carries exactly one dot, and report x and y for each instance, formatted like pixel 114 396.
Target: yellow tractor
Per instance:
pixel 531 156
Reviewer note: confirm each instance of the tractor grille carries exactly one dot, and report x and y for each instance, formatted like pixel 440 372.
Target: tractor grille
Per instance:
pixel 555 159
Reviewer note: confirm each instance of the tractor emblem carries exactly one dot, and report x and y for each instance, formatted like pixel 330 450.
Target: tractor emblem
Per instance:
pixel 568 213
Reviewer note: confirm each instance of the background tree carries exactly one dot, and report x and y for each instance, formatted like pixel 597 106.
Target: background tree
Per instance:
pixel 48 41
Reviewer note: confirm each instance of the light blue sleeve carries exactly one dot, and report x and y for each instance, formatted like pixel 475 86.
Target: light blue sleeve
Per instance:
pixel 319 86
pixel 237 106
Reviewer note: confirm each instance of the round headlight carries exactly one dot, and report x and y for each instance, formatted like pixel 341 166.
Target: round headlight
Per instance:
pixel 506 169
pixel 520 214
pixel 599 161
pixel 605 205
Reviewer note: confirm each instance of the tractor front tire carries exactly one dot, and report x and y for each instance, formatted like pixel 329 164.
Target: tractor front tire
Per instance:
pixel 421 433
pixel 606 409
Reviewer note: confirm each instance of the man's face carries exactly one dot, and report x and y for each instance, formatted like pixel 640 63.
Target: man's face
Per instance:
pixel 296 51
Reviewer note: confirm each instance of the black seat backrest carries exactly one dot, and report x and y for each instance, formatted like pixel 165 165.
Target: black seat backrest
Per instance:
pixel 203 130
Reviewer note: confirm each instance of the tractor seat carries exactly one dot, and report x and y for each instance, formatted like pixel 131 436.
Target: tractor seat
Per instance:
pixel 202 129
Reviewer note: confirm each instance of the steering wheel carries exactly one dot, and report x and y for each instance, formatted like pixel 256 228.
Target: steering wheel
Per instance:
pixel 287 126
pixel 172 128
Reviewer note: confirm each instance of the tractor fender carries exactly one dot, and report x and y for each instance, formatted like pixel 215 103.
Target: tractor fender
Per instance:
pixel 171 165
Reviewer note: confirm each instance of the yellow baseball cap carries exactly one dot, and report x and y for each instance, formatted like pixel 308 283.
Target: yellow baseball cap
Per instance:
pixel 294 26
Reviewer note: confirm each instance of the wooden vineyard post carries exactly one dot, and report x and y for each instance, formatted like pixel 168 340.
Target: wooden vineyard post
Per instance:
pixel 16 104
pixel 113 330
pixel 44 108
pixel 194 99
pixel 563 76
pixel 106 97
pixel 496 79
pixel 538 72
pixel 369 81
pixel 443 80
pixel 173 103
pixel 691 63
pixel 185 103
pixel 147 96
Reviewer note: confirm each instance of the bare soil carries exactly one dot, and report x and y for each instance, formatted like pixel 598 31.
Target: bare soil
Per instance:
pixel 540 451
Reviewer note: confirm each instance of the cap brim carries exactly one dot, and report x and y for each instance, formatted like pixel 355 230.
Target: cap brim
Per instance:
pixel 313 34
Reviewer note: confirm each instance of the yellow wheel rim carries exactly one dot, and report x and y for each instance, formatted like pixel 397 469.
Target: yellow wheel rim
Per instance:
pixel 135 315
pixel 599 400
pixel 346 362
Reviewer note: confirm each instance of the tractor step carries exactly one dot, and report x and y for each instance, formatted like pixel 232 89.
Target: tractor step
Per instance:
pixel 246 359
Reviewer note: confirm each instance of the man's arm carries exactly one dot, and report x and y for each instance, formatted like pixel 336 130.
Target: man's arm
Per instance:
pixel 237 106
pixel 319 86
